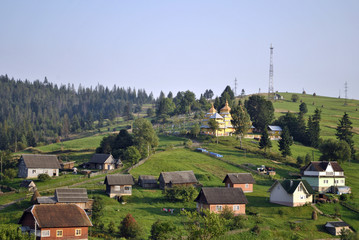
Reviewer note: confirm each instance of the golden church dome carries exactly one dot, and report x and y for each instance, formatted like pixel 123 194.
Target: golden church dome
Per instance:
pixel 226 108
pixel 212 110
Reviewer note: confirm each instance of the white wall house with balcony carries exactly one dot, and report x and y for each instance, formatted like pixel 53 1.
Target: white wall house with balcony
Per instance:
pixel 324 176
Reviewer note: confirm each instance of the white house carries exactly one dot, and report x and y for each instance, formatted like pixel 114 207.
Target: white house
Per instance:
pixel 291 193
pixel 324 176
pixel 31 165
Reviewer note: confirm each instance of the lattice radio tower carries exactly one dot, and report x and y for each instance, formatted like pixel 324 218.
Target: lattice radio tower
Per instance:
pixel 270 89
pixel 235 87
pixel 346 93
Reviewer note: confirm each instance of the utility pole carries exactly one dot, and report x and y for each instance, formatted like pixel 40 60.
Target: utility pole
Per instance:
pixel 1 163
pixel 270 89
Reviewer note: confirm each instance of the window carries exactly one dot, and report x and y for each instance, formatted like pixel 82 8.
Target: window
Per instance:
pixel 45 233
pixel 127 188
pixel 117 188
pixel 302 197
pixel 247 185
pixel 342 181
pixel 33 171
pixel 219 208
pixel 235 207
pixel 59 233
pixel 77 232
pixel 300 188
pixel 325 181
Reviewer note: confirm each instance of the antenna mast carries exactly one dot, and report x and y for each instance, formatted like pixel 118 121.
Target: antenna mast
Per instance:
pixel 346 93
pixel 270 89
pixel 235 87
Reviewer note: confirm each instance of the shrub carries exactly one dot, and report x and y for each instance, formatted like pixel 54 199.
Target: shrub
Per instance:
pixel 111 227
pixel 227 213
pixel 294 98
pixel 9 174
pixel 129 228
pixel 188 143
pixel 256 229
pixel 314 215
pixel 162 230
pixel 43 177
pixel 181 193
pixel 237 223
pixel 343 197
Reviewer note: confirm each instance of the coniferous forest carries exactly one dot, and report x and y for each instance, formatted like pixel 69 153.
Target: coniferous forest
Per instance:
pixel 40 112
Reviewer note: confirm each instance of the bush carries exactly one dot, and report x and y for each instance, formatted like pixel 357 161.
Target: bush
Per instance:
pixel 295 98
pixel 43 177
pixel 129 228
pixel 181 193
pixel 314 215
pixel 162 230
pixel 343 197
pixel 256 229
pixel 237 223
pixel 227 213
pixel 188 143
pixel 9 174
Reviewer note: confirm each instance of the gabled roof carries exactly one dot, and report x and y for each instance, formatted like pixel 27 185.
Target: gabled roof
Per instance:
pixel 41 161
pixel 71 195
pixel 147 179
pixel 102 158
pixel 46 200
pixel 337 224
pixel 27 183
pixel 119 179
pixel 216 116
pixel 239 178
pixel 321 166
pixel 291 185
pixel 58 215
pixel 221 195
pixel 179 177
pixel 274 128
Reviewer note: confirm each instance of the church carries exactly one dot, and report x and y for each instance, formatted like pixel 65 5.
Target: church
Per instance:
pixel 224 121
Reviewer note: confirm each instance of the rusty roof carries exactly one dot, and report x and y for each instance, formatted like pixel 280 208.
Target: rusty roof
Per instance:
pixel 58 215
pixel 41 161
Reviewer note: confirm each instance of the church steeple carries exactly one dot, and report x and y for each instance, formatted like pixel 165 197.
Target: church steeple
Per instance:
pixel 212 110
pixel 226 108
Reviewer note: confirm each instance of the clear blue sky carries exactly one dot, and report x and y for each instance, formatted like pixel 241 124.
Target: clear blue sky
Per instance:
pixel 178 45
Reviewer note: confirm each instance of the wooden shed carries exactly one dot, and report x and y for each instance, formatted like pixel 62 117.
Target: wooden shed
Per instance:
pixel 147 181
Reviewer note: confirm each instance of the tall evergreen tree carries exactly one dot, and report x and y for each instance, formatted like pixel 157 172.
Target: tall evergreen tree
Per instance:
pixel 344 132
pixel 313 129
pixel 241 121
pixel 285 142
pixel 265 142
pixel 260 110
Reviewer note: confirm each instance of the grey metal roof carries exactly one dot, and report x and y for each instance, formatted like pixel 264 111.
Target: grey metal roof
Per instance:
pixel 46 200
pixel 71 195
pixel 179 177
pixel 221 195
pixel 274 128
pixel 41 161
pixel 216 115
pixel 119 179
pixel 337 224
pixel 240 178
pixel 102 158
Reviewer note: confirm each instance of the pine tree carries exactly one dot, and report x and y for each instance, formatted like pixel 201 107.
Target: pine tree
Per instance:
pixel 241 121
pixel 313 129
pixel 265 141
pixel 344 132
pixel 285 142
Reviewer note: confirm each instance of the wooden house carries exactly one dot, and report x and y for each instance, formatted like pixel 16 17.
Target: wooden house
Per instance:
pixel 147 181
pixel 56 221
pixel 102 161
pixel 240 180
pixel 76 196
pixel 216 199
pixel 31 165
pixel 119 184
pixel 274 132
pixel 324 176
pixel 291 193
pixel 335 228
pixel 29 185
pixel 178 178
pixel 67 165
